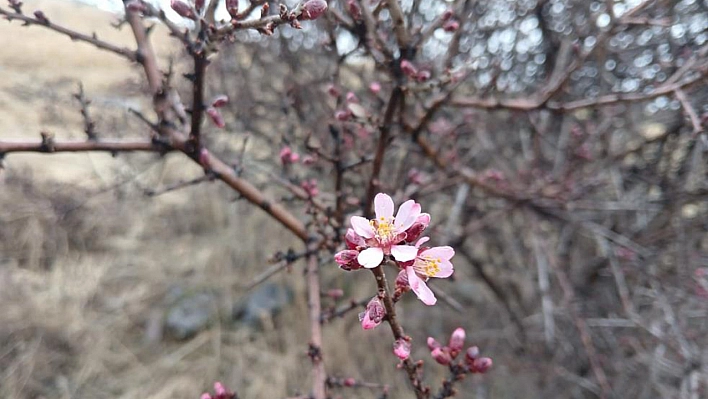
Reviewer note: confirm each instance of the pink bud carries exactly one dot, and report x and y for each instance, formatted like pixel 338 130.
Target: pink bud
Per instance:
pixel 183 9
pixel 347 259
pixel 205 396
pixel 402 284
pixel 204 158
pixel 313 9
pixel 481 365
pixel 374 314
pixel 232 7
pixel 342 115
pixel 408 68
pixel 219 389
pixel 441 356
pixel 423 76
pixel 447 14
pixel 308 160
pixel 471 354
pixel 416 230
pixel 457 341
pixel 349 382
pixel 310 186
pixel 353 240
pixel 136 6
pixel 335 293
pixel 333 90
pixel 433 344
pixel 352 98
pixel 216 117
pixel 451 26
pixel 375 87
pixel 199 4
pixel 287 156
pixel 402 348
pixel 354 9
pixel 220 101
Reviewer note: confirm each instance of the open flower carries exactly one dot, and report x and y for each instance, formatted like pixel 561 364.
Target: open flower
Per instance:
pixel 384 233
pixel 430 262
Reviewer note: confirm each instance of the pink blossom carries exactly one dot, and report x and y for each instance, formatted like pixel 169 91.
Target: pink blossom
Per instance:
pixel 402 348
pixel 374 314
pixel 430 262
pixel 384 233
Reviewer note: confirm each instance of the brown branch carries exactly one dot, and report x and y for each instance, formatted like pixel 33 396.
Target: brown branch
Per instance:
pixel 200 65
pixel 319 376
pixel 73 35
pixel 411 369
pixel 7 147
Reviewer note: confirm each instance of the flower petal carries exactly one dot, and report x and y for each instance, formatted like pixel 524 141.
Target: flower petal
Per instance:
pixel 362 227
pixel 421 241
pixel 370 257
pixel 383 205
pixel 420 288
pixel 446 269
pixel 404 253
pixel 445 252
pixel 407 214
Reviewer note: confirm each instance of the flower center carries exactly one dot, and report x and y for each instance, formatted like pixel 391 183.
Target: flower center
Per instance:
pixel 383 229
pixel 427 266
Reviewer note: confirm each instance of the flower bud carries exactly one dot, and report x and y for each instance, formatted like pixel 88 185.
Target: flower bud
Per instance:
pixel 183 9
pixel 402 284
pixel 41 17
pixel 205 396
pixel 441 356
pixel 346 259
pixel 408 68
pixel 313 9
pixel 335 293
pixel 333 90
pixel 353 240
pixel 342 115
pixel 219 389
pixel 220 101
pixel 352 98
pixel 216 117
pixel 310 187
pixel 375 87
pixel 287 156
pixel 481 365
pixel 423 76
pixel 457 341
pixel 416 230
pixel 447 15
pixel 232 7
pixel 433 344
pixel 451 26
pixel 471 354
pixel 308 160
pixel 402 348
pixel 136 6
pixel 199 5
pixel 204 158
pixel 354 9
pixel 374 314
pixel 349 382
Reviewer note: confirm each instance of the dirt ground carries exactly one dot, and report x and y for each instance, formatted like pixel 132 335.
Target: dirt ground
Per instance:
pixel 87 260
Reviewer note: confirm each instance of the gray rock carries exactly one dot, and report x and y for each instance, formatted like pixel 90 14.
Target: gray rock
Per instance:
pixel 190 314
pixel 264 302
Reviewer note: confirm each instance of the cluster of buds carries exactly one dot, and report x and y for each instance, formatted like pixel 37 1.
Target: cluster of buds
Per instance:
pixel 220 392
pixel 410 70
pixel 445 355
pixel 288 156
pixel 310 187
pixel 398 238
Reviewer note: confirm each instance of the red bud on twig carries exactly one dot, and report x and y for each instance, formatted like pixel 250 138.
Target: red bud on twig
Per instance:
pixel 313 9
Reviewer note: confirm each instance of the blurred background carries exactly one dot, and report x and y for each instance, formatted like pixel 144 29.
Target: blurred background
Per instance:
pixel 592 281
